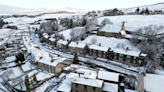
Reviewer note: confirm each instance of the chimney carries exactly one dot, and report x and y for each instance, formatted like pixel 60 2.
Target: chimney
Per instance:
pixel 123 28
pixel 99 44
pixel 52 60
pixel 79 74
pixel 127 49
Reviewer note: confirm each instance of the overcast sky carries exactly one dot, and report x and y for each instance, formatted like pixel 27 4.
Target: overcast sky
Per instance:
pixel 20 6
pixel 79 4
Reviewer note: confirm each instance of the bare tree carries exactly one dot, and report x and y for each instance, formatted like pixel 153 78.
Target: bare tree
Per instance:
pixel 106 21
pixel 151 32
pixel 72 34
pixel 151 52
pixel 93 11
pixel 136 36
pixel 93 40
pixel 91 24
pixel 99 11
pixel 76 32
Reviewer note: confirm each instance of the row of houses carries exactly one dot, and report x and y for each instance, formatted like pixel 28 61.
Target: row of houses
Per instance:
pixel 104 81
pixel 127 56
pixel 91 81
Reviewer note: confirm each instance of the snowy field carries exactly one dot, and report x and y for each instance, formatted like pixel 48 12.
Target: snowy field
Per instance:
pixel 110 42
pixel 134 22
pixel 159 6
pixel 4 32
pixel 66 33
pixel 57 16
pixel 25 20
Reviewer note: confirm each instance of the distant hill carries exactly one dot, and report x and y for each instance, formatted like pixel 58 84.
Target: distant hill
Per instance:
pixel 5 9
pixel 158 6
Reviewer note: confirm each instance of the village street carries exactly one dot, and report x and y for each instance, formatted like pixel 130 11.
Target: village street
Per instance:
pixel 99 63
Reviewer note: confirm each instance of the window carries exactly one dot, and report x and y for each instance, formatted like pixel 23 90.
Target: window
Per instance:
pixel 76 85
pixel 99 54
pixel 128 59
pixel 94 89
pixel 140 61
pixel 134 61
pixel 128 56
pixel 85 87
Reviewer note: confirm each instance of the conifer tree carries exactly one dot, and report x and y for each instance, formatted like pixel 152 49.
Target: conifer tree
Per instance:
pixel 75 59
pixel 34 78
pixel 27 83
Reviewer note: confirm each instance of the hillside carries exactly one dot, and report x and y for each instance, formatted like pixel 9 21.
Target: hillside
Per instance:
pixel 158 6
pixel 134 22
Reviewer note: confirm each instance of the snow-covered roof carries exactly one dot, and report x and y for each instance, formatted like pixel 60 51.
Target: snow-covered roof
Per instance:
pixel 65 86
pixel 83 70
pixel 73 75
pixel 45 35
pixel 92 75
pixel 76 44
pixel 153 82
pixel 67 68
pixel 89 82
pixel 123 32
pixel 109 76
pixel 31 49
pixel 144 55
pixel 47 61
pixel 111 28
pixel 62 42
pixel 110 87
pixel 127 52
pixel 86 74
pixel 129 90
pixel 52 39
pixel 74 66
pixel 101 48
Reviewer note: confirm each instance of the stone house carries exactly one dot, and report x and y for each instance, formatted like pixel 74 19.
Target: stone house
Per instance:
pixel 80 48
pixel 88 82
pixel 150 83
pixel 108 76
pixel 62 44
pixel 52 41
pixel 87 85
pixel 52 65
pixel 130 57
pixel 45 37
pixel 112 30
pixel 98 51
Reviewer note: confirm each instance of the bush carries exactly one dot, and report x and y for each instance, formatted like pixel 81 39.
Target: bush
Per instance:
pixel 20 57
pixel 12 27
